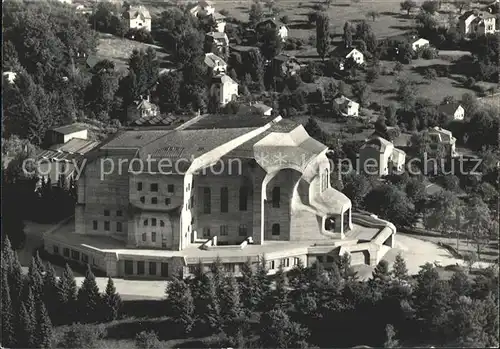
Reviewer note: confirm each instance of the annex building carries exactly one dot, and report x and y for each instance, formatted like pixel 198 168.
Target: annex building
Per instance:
pixel 233 187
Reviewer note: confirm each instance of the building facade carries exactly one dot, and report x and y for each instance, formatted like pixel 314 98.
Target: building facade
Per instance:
pixel 379 157
pixel 258 188
pixel 475 22
pixel 137 18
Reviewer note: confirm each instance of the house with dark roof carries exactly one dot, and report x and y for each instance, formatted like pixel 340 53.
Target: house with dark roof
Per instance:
pixel 476 22
pixel 220 40
pixel 453 111
pixel 379 157
pixel 202 8
pixel 285 65
pixel 227 187
pixel 220 21
pixel 272 23
pixel 215 63
pixel 137 17
pixel 346 106
pixel 141 109
pixel 343 54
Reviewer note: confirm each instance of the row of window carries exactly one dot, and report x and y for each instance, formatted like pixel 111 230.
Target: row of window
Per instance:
pixel 154 187
pixel 145 237
pixel 153 222
pixel 107 213
pixel 231 267
pixel 242 230
pixel 141 268
pixel 75 255
pixel 107 226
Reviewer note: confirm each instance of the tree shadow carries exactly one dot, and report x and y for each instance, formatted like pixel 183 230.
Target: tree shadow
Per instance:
pixel 300 24
pixel 340 5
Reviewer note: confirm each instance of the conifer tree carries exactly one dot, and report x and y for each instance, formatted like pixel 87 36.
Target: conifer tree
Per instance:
pixel 43 333
pixel 231 312
pixel 39 263
pixel 8 339
pixel 179 304
pixel 112 302
pixel 25 329
pixel 381 271
pixel 217 273
pixel 7 253
pixel 16 281
pixel 399 269
pixel 263 284
pixel 67 294
pixel 51 292
pixel 281 292
pixel 35 279
pixel 89 299
pixel 29 301
pixel 248 287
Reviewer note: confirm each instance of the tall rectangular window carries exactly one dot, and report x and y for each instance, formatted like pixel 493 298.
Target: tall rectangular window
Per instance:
pixel 243 198
pixel 223 230
pixel 154 187
pixel 129 267
pixel 170 188
pixel 242 230
pixel 164 269
pixel 153 237
pixel 95 225
pixel 224 199
pixel 140 268
pixel 139 186
pixel 206 232
pixel 119 213
pixel 106 213
pixel 206 200
pixel 106 225
pixel 276 197
pixel 119 227
pixel 152 268
pixel 153 222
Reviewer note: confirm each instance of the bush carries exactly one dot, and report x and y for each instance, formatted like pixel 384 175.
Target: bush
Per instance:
pixel 83 336
pixel 470 82
pixel 428 53
pixel 147 340
pixel 311 40
pixel 141 35
pixel 224 12
pixel 285 19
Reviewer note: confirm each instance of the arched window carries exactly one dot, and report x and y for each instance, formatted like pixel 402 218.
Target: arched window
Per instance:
pixel 276 196
pixel 276 229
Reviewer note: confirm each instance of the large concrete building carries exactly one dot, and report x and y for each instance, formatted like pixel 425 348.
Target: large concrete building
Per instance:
pixel 257 187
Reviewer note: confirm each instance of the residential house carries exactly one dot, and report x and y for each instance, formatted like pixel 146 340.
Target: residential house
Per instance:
pixel 453 111
pixel 284 65
pixel 137 17
pixel 272 23
pixel 142 109
pixel 378 156
pixel 202 8
pixel 224 89
pixel 475 22
pixel 63 159
pixel 166 220
pixel 10 76
pixel 215 63
pixel 346 106
pixel 418 43
pixel 220 40
pixel 438 136
pixel 347 53
pixel 64 134
pixel 220 21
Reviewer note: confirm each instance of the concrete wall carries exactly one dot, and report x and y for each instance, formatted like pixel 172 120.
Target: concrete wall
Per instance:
pixel 234 217
pixel 103 193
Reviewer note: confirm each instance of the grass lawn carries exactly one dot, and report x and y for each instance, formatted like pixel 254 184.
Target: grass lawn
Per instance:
pixel 118 50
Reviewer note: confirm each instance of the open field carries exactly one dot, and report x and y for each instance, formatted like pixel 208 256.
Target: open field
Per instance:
pixel 118 50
